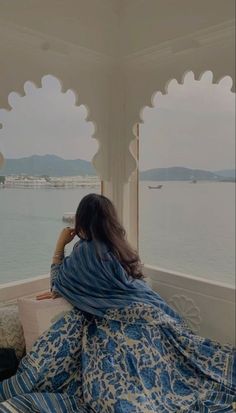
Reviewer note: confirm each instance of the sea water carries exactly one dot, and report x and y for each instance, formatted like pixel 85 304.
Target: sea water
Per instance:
pixel 184 227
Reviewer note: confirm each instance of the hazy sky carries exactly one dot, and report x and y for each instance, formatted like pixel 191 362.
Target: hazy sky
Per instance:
pixel 192 125
pixel 46 121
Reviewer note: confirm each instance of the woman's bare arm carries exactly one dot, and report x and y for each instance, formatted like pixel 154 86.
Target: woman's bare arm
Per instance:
pixel 65 237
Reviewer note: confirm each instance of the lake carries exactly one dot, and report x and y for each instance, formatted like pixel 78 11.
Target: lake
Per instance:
pixel 185 227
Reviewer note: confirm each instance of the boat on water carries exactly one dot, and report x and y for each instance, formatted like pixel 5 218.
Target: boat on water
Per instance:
pixel 155 187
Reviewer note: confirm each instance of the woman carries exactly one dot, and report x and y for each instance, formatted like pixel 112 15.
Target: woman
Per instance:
pixel 121 349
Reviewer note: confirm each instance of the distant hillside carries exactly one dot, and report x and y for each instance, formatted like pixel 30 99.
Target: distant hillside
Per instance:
pixel 227 173
pixel 179 173
pixel 51 165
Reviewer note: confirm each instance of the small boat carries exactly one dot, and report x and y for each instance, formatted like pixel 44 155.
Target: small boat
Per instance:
pixel 194 181
pixel 69 217
pixel 155 187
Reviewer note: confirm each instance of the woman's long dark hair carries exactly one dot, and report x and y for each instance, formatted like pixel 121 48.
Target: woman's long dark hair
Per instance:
pixel 96 219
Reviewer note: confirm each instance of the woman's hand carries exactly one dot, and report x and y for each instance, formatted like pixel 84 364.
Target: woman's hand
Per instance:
pixel 66 236
pixel 47 295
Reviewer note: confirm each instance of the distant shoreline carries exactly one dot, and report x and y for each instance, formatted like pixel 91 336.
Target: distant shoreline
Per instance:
pixel 33 182
pixel 49 186
pixel 95 184
pixel 46 166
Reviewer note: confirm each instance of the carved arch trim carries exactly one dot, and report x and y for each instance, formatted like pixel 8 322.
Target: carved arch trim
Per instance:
pixel 79 100
pixel 146 99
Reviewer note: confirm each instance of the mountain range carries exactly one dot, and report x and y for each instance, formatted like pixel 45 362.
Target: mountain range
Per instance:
pixel 178 173
pixel 52 165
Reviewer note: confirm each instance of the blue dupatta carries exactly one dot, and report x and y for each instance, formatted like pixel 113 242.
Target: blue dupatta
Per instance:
pixel 136 356
pixel 92 279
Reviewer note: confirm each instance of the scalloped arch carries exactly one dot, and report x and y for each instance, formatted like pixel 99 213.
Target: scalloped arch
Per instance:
pixel 148 102
pixel 15 96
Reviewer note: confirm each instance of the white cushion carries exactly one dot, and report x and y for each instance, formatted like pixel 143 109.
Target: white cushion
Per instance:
pixel 11 332
pixel 38 315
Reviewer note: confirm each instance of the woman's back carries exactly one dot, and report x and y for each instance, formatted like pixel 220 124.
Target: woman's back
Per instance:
pixel 93 280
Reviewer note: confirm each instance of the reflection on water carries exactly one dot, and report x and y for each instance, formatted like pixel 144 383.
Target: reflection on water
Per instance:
pixel 189 228
pixel 183 227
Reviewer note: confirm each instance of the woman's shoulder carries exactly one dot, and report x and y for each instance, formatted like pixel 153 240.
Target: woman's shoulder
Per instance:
pixel 78 246
pixel 82 244
pixel 98 247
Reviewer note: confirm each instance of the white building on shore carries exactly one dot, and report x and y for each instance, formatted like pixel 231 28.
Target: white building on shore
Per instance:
pixel 25 181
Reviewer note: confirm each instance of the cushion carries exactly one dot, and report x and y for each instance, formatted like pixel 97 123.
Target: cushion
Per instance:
pixel 38 315
pixel 11 332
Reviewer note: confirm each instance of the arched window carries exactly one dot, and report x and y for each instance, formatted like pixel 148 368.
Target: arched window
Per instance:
pixel 47 146
pixel 187 179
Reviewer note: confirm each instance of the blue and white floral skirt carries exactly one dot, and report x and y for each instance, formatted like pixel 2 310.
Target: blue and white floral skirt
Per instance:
pixel 133 360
